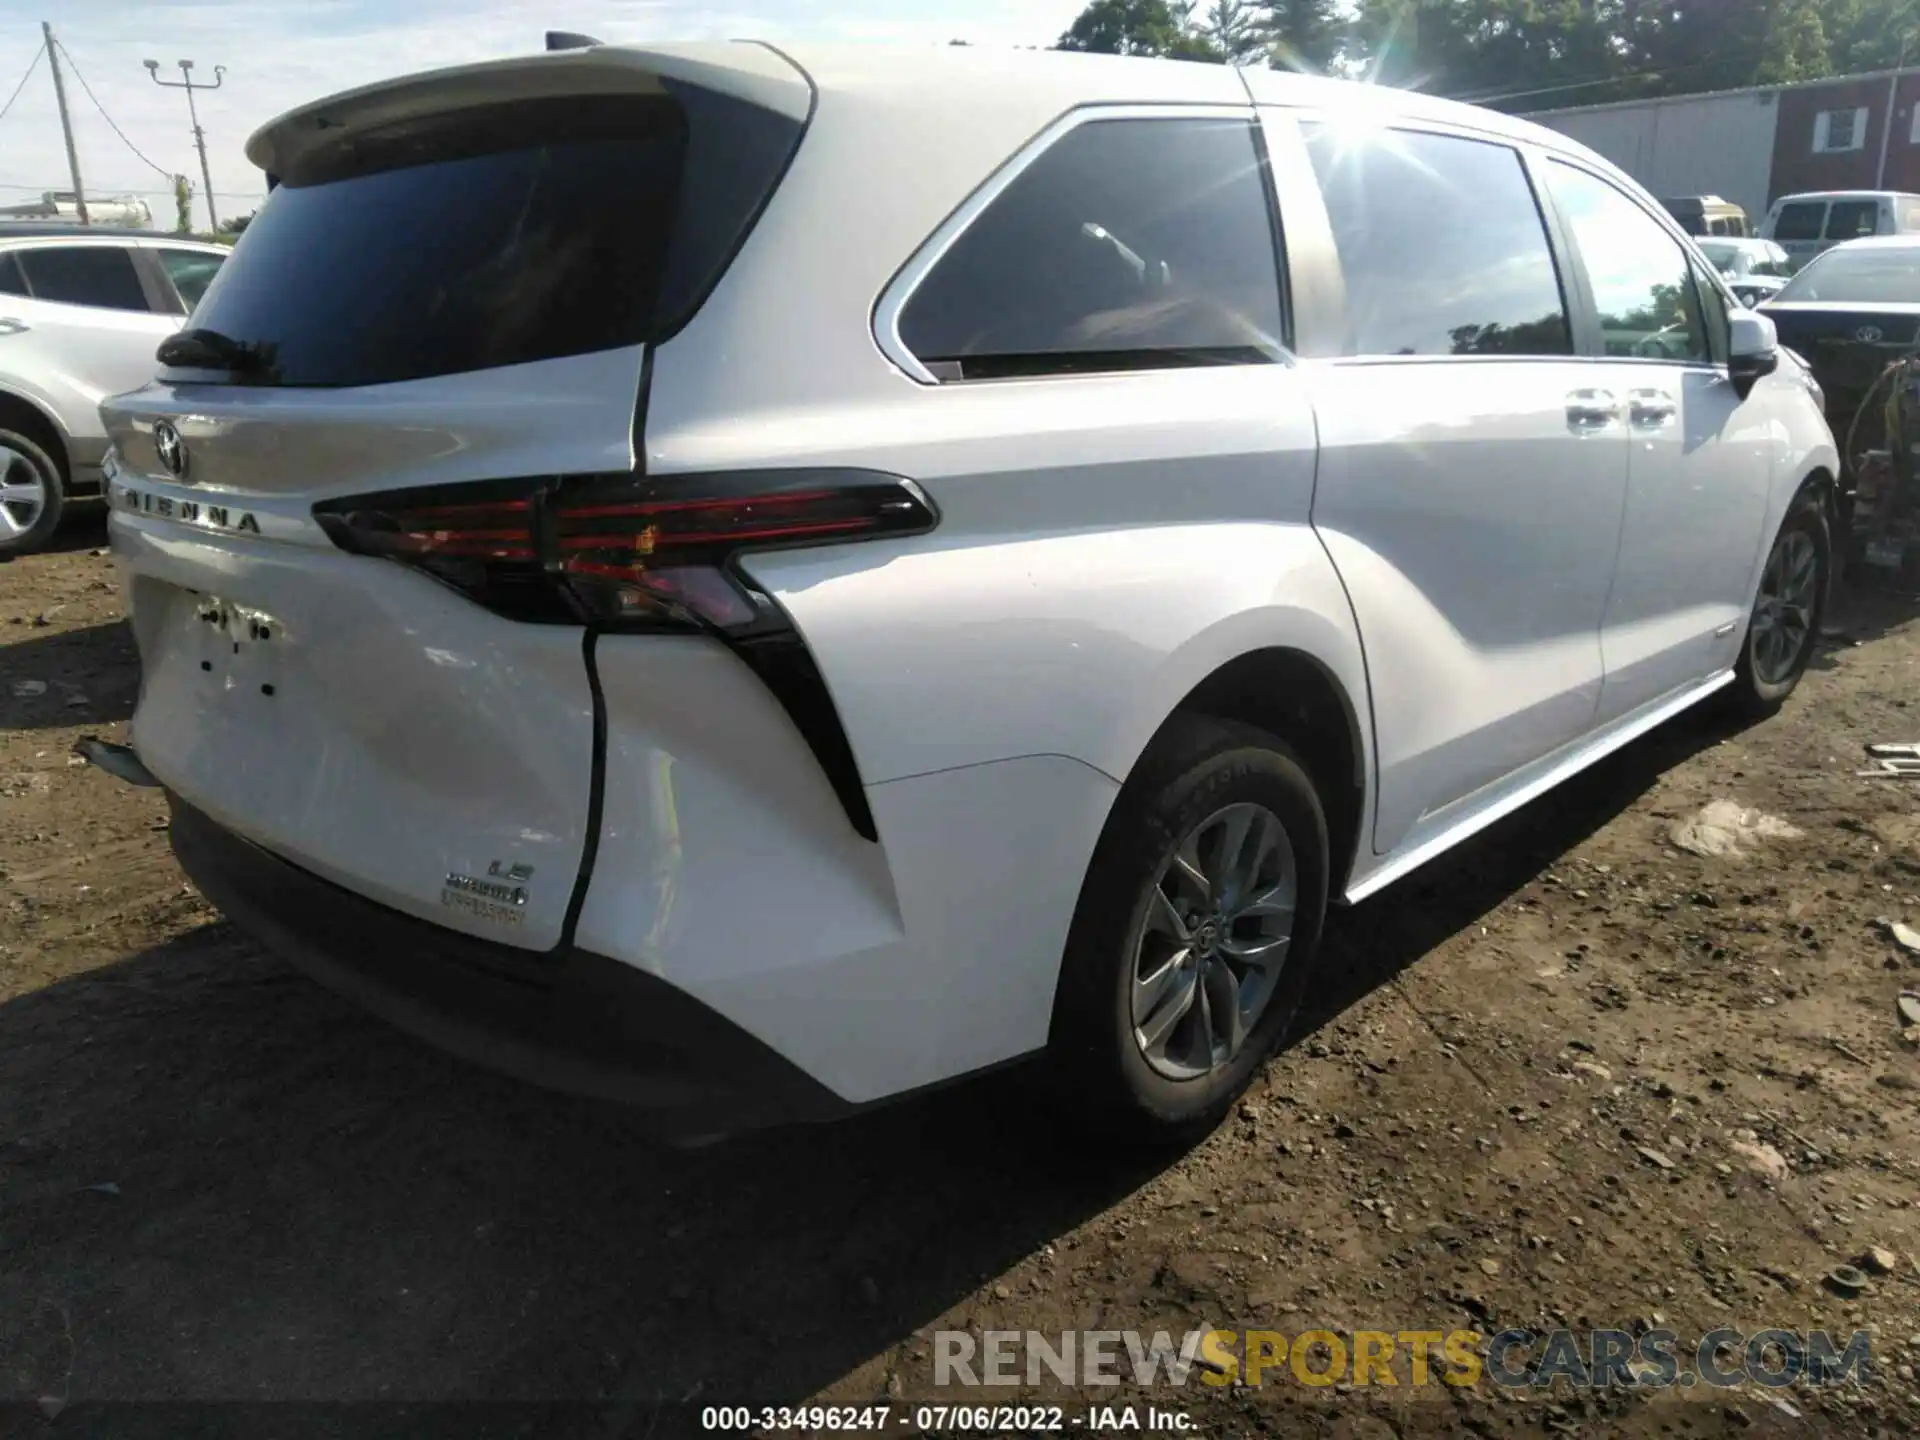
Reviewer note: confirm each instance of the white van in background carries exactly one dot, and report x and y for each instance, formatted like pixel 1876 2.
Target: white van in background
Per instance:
pixel 1804 225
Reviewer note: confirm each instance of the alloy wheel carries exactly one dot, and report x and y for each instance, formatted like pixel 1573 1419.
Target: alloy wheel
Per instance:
pixel 23 493
pixel 1209 948
pixel 1783 611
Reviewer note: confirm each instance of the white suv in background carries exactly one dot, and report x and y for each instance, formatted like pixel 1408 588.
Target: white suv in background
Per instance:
pixel 838 569
pixel 81 309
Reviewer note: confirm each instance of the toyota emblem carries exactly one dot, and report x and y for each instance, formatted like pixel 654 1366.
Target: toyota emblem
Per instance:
pixel 1868 334
pixel 171 449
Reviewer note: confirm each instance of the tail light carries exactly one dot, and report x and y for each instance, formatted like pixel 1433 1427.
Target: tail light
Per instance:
pixel 620 552
pixel 623 552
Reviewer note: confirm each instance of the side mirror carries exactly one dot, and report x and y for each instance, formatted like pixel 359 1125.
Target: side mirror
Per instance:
pixel 1753 349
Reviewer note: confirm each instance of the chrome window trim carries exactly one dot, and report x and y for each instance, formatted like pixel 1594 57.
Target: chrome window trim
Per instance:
pixel 900 290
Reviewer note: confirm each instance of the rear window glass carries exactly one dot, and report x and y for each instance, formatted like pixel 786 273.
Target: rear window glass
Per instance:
pixel 1850 219
pixel 12 282
pixel 99 275
pixel 1867 275
pixel 497 236
pixel 1690 218
pixel 1802 220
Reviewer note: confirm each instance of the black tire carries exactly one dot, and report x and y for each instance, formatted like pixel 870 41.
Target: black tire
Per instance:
pixel 33 453
pixel 1755 693
pixel 1197 767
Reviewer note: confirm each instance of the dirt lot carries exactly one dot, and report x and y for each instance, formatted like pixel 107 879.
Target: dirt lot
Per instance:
pixel 1570 1076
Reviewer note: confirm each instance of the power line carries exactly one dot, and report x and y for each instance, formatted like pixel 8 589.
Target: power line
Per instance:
pixel 123 190
pixel 162 170
pixel 1737 57
pixel 31 66
pixel 1625 76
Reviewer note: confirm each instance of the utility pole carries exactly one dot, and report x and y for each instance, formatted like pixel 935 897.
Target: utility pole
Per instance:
pixel 185 82
pixel 66 122
pixel 1893 103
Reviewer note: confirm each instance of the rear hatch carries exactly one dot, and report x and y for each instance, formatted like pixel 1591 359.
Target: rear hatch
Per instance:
pixel 454 282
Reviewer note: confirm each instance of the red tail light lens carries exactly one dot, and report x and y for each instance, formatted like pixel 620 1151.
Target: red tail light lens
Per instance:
pixel 622 551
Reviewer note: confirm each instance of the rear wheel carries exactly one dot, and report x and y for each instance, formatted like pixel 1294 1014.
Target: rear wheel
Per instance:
pixel 1191 945
pixel 32 494
pixel 1787 610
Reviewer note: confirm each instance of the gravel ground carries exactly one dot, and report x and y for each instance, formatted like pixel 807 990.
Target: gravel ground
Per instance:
pixel 1571 1075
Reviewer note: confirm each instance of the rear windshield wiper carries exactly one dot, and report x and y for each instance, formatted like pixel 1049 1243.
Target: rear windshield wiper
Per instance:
pixel 210 350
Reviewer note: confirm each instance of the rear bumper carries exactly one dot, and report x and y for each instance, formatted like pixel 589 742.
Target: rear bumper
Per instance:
pixel 567 1019
pixel 84 456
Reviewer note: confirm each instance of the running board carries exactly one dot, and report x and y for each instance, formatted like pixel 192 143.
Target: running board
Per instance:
pixel 1545 775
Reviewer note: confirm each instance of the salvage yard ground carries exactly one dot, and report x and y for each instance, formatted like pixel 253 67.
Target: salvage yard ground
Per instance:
pixel 1572 1075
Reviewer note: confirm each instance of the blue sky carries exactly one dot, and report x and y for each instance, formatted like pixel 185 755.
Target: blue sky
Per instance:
pixel 282 55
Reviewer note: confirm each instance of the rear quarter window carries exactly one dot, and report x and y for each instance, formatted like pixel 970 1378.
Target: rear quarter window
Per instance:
pixel 1127 244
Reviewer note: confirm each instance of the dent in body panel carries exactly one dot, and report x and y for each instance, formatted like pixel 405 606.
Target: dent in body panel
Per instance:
pixel 718 828
pixel 365 680
pixel 967 985
pixel 726 866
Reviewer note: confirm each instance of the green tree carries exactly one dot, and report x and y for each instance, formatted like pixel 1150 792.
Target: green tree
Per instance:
pixel 1237 29
pixel 1678 47
pixel 1524 54
pixel 1138 27
pixel 1797 46
pixel 1303 34
pixel 182 204
pixel 1872 34
pixel 1509 53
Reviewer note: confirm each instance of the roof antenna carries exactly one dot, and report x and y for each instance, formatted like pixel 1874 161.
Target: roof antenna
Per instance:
pixel 568 40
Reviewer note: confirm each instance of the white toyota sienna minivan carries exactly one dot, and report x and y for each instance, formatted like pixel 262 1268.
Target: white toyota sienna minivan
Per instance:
pixel 762 580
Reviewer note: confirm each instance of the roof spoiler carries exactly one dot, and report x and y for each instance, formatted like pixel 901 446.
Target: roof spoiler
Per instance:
pixel 568 40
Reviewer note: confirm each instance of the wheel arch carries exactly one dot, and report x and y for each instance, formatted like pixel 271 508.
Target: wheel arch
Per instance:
pixel 1819 477
pixel 1297 695
pixel 36 421
pixel 1822 480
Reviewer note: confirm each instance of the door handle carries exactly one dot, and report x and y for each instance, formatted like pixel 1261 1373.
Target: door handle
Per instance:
pixel 1592 409
pixel 11 326
pixel 1651 409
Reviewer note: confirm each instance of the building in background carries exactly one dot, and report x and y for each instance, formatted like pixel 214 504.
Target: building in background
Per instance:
pixel 1851 132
